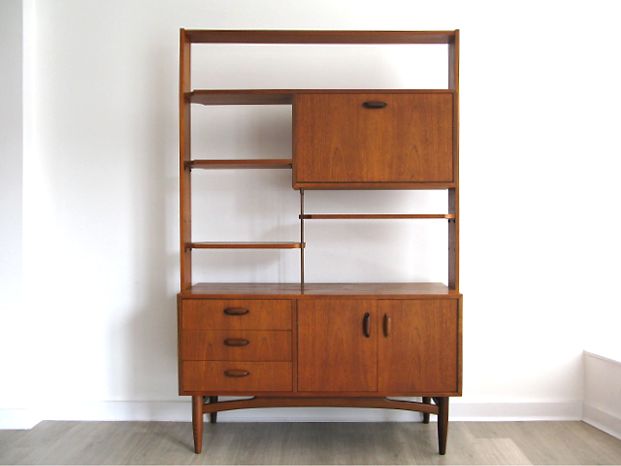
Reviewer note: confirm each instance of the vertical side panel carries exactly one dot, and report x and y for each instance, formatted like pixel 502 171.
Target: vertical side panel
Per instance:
pixel 453 195
pixel 185 228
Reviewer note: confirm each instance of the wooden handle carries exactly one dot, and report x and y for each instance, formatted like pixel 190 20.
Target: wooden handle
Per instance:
pixel 236 342
pixel 387 325
pixel 236 311
pixel 236 373
pixel 366 324
pixel 372 104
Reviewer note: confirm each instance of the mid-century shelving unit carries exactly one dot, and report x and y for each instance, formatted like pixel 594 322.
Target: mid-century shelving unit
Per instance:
pixel 330 344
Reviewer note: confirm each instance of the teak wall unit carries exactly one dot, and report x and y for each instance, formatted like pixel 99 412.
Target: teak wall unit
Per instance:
pixel 330 344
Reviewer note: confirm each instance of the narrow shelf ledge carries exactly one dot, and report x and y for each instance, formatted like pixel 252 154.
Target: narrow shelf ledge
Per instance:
pixel 246 245
pixel 241 96
pixel 221 164
pixel 374 216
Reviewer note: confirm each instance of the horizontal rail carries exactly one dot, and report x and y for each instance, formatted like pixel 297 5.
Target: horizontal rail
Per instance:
pixel 197 36
pixel 264 402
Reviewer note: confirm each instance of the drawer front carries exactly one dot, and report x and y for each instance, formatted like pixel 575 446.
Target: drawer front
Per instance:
pixel 239 376
pixel 419 346
pixel 246 314
pixel 337 139
pixel 235 345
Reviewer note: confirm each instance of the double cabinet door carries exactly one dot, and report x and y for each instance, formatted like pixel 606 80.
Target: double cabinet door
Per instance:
pixel 385 346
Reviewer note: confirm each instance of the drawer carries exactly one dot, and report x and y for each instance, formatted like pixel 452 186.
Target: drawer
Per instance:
pixel 240 376
pixel 408 137
pixel 236 345
pixel 246 314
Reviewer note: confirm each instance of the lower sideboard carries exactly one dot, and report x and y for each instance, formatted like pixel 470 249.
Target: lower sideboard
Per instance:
pixel 322 349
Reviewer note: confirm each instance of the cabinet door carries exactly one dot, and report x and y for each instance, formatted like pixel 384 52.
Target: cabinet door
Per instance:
pixel 336 353
pixel 336 139
pixel 418 350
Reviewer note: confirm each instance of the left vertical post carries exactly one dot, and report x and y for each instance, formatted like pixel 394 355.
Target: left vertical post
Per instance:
pixel 185 213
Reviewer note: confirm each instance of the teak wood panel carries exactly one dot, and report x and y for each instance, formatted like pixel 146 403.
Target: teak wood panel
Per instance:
pixel 418 346
pixel 212 376
pixel 235 345
pixel 334 355
pixel 337 139
pixel 212 314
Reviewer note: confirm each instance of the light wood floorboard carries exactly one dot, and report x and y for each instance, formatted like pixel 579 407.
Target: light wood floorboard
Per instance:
pixel 54 442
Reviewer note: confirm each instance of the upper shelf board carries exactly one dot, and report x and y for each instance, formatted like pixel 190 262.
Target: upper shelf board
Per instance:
pixel 198 36
pixel 282 96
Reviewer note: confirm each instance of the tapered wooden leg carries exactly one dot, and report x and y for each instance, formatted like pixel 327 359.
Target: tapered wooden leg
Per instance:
pixel 443 406
pixel 197 422
pixel 213 417
pixel 426 399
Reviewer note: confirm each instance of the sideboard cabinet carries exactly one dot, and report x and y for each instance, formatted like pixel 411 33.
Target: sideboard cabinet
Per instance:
pixel 328 344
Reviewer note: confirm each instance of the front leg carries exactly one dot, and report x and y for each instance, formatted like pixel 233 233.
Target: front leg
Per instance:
pixel 197 422
pixel 443 407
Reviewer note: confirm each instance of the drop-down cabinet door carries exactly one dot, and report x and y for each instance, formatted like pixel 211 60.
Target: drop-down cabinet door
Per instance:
pixel 337 345
pixel 373 138
pixel 418 350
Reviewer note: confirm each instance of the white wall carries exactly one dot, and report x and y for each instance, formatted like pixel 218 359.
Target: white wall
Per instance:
pixel 539 162
pixel 11 322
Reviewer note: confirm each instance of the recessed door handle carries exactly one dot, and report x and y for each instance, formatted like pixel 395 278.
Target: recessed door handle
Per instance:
pixel 366 325
pixel 236 373
pixel 373 104
pixel 236 342
pixel 236 311
pixel 387 325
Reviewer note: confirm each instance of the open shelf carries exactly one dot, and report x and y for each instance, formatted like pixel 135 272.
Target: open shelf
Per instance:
pixel 245 245
pixel 289 290
pixel 374 216
pixel 240 163
pixel 282 96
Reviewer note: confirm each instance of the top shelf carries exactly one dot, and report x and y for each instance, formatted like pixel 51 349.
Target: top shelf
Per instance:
pixel 197 36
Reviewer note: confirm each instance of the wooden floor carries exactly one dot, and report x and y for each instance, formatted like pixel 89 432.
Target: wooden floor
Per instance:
pixel 309 443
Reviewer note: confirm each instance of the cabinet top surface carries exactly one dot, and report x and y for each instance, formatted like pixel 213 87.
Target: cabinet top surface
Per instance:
pixel 314 290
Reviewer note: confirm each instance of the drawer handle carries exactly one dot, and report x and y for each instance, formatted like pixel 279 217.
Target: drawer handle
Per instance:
pixel 236 311
pixel 236 373
pixel 372 104
pixel 366 324
pixel 236 342
pixel 387 325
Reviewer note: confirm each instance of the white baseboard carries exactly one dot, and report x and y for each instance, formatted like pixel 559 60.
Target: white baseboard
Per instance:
pixel 602 420
pixel 181 411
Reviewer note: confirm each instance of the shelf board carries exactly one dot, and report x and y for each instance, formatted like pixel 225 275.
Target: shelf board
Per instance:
pixel 283 96
pixel 246 245
pixel 240 164
pixel 296 290
pixel 374 216
pixel 198 36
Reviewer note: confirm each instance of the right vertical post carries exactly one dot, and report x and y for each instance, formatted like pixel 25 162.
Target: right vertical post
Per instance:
pixel 453 193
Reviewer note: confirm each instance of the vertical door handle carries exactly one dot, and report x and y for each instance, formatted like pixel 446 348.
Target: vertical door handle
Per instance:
pixel 366 324
pixel 387 325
